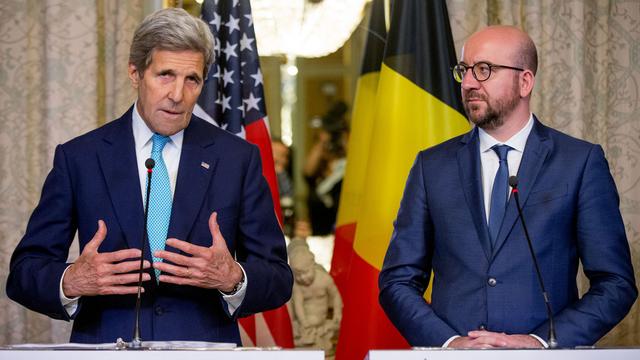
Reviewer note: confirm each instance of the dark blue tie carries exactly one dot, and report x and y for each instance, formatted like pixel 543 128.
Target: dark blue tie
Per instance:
pixel 499 193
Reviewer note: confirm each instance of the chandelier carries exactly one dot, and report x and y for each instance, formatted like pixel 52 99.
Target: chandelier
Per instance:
pixel 304 28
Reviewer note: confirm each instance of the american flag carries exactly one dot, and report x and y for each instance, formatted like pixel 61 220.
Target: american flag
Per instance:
pixel 233 98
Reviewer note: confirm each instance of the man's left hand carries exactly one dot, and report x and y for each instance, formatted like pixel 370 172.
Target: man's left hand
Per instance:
pixel 208 267
pixel 494 339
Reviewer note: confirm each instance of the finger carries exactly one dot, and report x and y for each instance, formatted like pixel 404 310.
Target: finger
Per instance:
pixel 129 266
pixel 124 279
pixel 98 237
pixel 119 255
pixel 477 333
pixel 216 235
pixel 177 280
pixel 480 333
pixel 490 339
pixel 180 271
pixel 174 258
pixel 120 290
pixel 186 247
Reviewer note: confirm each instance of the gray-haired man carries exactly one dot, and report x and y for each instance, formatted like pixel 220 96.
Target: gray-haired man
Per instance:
pixel 217 251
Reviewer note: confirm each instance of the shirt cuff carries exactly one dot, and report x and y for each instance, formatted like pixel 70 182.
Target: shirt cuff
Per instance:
pixel 234 301
pixel 446 344
pixel 70 304
pixel 544 343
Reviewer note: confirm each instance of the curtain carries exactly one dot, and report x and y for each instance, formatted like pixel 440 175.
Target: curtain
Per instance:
pixel 62 72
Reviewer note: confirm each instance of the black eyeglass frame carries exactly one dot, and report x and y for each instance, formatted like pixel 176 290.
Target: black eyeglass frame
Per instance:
pixel 456 70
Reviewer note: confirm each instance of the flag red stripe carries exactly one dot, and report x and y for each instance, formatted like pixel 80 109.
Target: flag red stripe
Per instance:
pixel 257 133
pixel 364 324
pixel 342 253
pixel 249 326
pixel 279 320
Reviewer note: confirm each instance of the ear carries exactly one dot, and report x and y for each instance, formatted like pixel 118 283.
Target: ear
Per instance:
pixel 527 80
pixel 134 76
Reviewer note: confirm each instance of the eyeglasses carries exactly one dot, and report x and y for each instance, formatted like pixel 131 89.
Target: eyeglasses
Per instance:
pixel 481 70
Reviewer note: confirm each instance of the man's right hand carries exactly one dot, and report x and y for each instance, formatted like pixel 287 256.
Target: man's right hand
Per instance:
pixel 96 273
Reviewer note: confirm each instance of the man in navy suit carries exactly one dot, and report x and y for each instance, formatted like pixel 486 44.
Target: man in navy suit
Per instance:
pixel 457 221
pixel 224 254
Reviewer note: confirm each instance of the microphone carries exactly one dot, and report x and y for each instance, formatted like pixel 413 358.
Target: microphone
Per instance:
pixel 553 342
pixel 136 342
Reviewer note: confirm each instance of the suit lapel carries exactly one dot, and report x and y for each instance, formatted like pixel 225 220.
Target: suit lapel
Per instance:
pixel 194 175
pixel 470 173
pixel 535 152
pixel 117 158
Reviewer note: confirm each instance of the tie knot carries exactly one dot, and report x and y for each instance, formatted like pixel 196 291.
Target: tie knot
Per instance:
pixel 501 151
pixel 159 141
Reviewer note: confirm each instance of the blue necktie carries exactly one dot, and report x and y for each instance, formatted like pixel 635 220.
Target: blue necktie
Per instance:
pixel 160 199
pixel 499 193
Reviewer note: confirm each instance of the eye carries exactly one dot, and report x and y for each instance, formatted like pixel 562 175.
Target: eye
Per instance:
pixel 165 75
pixel 483 69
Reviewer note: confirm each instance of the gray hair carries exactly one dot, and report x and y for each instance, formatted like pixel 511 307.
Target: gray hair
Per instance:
pixel 170 29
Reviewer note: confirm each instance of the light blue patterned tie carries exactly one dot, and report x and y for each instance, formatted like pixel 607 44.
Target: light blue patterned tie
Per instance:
pixel 160 199
pixel 499 193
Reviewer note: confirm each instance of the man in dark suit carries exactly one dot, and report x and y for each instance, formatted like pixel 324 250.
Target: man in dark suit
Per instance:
pixel 217 251
pixel 456 220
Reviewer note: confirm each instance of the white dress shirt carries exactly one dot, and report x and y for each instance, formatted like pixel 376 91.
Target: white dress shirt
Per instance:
pixel 171 156
pixel 490 162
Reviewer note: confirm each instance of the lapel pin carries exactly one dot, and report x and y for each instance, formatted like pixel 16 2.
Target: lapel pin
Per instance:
pixel 204 165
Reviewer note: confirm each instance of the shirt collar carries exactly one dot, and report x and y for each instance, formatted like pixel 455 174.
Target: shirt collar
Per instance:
pixel 142 134
pixel 516 142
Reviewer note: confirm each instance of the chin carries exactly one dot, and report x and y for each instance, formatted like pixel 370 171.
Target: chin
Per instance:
pixel 172 129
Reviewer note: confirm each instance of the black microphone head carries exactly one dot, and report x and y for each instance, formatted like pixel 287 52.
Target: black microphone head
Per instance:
pixel 513 181
pixel 149 163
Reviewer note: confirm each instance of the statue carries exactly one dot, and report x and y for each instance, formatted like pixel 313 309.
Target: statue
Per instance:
pixel 314 294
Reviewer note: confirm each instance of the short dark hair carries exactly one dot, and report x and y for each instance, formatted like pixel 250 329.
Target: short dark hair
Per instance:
pixel 528 55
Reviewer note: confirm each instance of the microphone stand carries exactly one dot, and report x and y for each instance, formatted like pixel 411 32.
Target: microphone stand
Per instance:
pixel 553 342
pixel 136 342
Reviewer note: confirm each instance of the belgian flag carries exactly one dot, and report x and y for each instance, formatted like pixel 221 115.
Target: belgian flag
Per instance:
pixel 359 141
pixel 417 106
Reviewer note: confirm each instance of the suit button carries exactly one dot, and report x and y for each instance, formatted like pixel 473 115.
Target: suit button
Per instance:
pixel 159 310
pixel 482 327
pixel 492 282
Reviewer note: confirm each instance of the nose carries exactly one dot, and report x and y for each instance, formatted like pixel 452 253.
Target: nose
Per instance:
pixel 469 81
pixel 176 92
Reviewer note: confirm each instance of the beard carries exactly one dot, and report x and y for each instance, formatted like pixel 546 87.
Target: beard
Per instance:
pixel 496 111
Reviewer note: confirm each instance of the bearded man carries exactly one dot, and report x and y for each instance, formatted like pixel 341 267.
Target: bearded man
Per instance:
pixel 457 220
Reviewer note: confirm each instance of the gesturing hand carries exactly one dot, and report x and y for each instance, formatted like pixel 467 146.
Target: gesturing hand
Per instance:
pixel 96 273
pixel 208 267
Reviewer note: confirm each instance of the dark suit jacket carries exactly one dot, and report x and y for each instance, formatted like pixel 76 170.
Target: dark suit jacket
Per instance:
pixel 571 208
pixel 95 176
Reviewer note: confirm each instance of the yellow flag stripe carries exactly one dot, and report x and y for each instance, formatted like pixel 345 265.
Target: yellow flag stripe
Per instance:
pixel 358 154
pixel 407 119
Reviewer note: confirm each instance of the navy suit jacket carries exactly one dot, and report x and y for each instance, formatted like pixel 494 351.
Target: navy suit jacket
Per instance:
pixel 95 176
pixel 570 204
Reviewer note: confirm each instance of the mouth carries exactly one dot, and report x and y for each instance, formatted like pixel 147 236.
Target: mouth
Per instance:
pixel 172 113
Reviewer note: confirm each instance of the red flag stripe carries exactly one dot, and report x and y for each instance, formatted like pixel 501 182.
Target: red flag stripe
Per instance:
pixel 257 133
pixel 342 255
pixel 366 316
